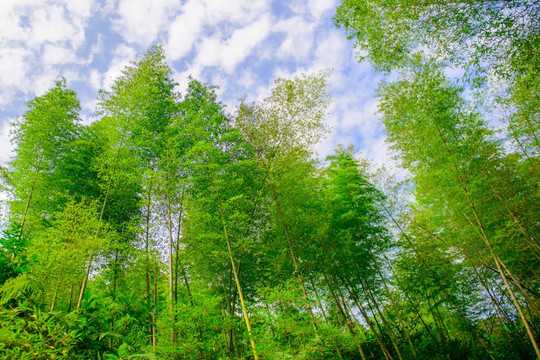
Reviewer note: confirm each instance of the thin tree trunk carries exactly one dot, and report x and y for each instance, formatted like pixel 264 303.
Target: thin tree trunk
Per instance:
pixel 436 341
pixel 374 315
pixel 394 305
pixel 436 314
pixel 70 298
pixel 326 321
pixel 414 307
pixel 27 206
pixel 171 276
pixel 147 275
pixel 53 303
pixel 428 268
pixel 191 302
pixel 514 217
pixel 502 313
pixel 338 304
pixel 498 262
pixel 532 303
pixel 154 303
pixel 239 288
pixel 177 248
pixel 518 283
pixel 520 310
pixel 356 299
pixel 319 301
pixel 91 257
pixel 355 321
pixel 384 321
pixel 293 256
pixel 85 280
pixel 529 159
pixel 345 312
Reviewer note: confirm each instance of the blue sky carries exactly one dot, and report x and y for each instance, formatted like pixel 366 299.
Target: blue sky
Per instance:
pixel 242 46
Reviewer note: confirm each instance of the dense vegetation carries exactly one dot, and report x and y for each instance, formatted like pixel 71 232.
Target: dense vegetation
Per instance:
pixel 170 229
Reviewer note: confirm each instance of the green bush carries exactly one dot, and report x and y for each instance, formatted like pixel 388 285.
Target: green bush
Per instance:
pixel 27 333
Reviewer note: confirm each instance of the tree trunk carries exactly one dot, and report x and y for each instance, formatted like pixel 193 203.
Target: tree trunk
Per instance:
pixel 171 274
pixel 443 289
pixel 154 303
pixel 27 206
pixel 85 280
pixel 293 256
pixel 384 321
pixel 53 303
pixel 485 238
pixel 356 299
pixel 70 298
pixel 239 288
pixel 147 270
pixel 91 257
pixel 394 305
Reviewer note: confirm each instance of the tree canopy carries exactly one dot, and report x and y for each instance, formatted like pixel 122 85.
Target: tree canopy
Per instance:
pixel 172 228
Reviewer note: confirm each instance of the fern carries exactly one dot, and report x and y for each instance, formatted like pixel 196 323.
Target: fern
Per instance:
pixel 20 287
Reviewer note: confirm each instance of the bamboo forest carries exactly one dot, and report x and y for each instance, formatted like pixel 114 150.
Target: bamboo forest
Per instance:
pixel 175 228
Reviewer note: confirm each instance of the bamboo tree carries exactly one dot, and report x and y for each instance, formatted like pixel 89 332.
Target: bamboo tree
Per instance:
pixel 441 121
pixel 283 129
pixel 43 137
pixel 136 111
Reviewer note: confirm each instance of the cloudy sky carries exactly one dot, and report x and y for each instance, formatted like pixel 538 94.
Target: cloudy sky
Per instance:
pixel 239 45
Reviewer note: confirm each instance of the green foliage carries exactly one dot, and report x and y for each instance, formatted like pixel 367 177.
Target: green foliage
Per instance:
pixel 355 223
pixel 169 229
pixel 475 189
pixel 43 137
pixel 13 258
pixel 19 288
pixel 59 253
pixel 468 33
pixel 28 333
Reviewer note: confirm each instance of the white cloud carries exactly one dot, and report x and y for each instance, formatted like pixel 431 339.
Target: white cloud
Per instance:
pixel 57 55
pixel 185 30
pixel 330 50
pixel 96 49
pixel 6 149
pixel 11 24
pixel 140 21
pixel 88 107
pixel 247 79
pixel 239 12
pixel 298 7
pixel 43 81
pixel 298 41
pixel 208 52
pixel 71 75
pixel 106 8
pixel 219 17
pixel 215 39
pixel 235 49
pixel 376 149
pixel 319 7
pixel 122 57
pixel 242 42
pixel 49 24
pixel 37 37
pixel 14 65
pixel 355 123
pixel 359 117
pixel 80 9
pixel 95 79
